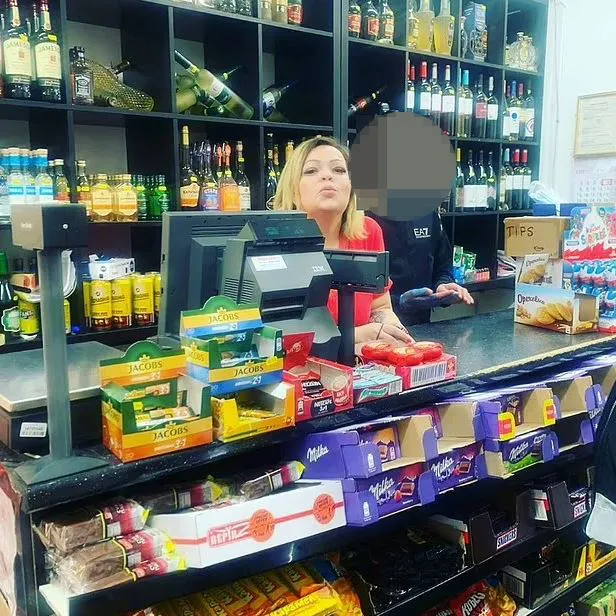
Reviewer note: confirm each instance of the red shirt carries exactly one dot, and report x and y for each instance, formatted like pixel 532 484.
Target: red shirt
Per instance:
pixel 373 242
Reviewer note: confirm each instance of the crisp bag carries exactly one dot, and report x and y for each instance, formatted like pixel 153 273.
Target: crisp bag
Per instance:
pixel 473 602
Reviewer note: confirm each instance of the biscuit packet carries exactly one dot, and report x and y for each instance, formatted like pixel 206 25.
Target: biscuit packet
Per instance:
pixel 533 269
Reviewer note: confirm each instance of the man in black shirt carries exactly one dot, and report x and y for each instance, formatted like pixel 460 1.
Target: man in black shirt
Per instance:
pixel 420 258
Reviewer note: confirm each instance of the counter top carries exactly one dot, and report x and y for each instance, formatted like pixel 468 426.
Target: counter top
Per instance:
pixel 490 348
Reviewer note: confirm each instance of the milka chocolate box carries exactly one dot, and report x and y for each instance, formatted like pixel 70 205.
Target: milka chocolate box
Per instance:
pixel 505 458
pixel 458 467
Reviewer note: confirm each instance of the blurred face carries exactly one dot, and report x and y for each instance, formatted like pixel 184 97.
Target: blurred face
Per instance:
pixel 325 185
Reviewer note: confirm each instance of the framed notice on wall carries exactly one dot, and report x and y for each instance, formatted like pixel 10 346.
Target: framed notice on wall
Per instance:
pixel 595 127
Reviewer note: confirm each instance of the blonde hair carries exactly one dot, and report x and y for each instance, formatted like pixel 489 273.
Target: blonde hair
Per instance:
pixel 287 194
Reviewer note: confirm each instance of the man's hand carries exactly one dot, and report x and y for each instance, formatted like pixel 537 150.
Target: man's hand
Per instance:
pixel 462 293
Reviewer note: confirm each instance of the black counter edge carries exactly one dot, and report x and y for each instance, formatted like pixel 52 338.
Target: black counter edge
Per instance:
pixel 117 476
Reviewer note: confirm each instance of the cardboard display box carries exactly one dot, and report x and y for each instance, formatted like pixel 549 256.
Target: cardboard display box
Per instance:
pixel 600 601
pixel 234 419
pixel 528 235
pixel 484 534
pixel 208 536
pixel 149 406
pixel 443 369
pixel 598 555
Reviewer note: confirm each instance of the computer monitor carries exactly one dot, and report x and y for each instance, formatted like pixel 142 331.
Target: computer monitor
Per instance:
pixel 193 245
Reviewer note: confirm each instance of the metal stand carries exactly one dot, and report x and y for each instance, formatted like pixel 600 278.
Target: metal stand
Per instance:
pixel 346 324
pixel 60 462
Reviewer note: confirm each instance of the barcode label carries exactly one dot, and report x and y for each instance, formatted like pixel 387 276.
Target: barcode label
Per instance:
pixel 429 374
pixel 33 430
pixel 114 529
pixel 513 585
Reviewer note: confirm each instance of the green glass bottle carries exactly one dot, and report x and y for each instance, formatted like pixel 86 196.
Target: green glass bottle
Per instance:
pixel 9 311
pixel 160 198
pixel 142 201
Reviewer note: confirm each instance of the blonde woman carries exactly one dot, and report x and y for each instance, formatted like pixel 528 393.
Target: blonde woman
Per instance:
pixel 316 180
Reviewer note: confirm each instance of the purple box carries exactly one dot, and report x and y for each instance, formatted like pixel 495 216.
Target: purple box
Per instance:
pixel 458 467
pixel 368 500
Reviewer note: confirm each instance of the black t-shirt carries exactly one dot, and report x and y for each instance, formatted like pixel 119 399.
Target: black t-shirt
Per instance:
pixel 420 256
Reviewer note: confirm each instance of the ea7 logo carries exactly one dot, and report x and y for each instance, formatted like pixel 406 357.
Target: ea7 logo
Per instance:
pixel 421 232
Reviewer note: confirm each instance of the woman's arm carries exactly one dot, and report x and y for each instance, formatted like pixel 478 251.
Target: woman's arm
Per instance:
pixel 384 324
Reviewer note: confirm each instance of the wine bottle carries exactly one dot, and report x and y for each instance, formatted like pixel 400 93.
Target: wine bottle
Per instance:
pixel 436 103
pixel 242 179
pixel 480 115
pixel 493 112
pixel 459 182
pixel 272 96
pixel 518 182
pixel 470 186
pixel 410 89
pixel 515 111
pixel 189 183
pixel 527 179
pixel 468 104
pixel 215 88
pixel 508 178
pixel 506 114
pixel 354 19
pixel 448 106
pixel 491 182
pixel 502 185
pixel 425 92
pixel 528 116
pixel 370 21
pixel 363 103
pixel 482 185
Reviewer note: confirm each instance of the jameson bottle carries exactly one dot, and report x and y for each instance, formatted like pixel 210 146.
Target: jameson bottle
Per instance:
pixel 48 66
pixel 17 55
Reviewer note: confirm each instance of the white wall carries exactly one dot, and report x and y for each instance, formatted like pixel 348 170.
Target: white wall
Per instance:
pixel 581 38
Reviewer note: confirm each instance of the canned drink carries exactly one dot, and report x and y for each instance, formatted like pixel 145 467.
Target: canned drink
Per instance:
pixel 101 314
pixel 157 292
pixel 122 302
pixel 67 317
pixel 87 301
pixel 143 299
pixel 29 319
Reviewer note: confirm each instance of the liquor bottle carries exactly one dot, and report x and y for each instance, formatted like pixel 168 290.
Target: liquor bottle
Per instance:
pixel 425 15
pixel 266 9
pixel 295 12
pixel 102 199
pixel 518 182
pixel 527 179
pixel 242 179
pixel 528 117
pixel 480 111
pixel 288 151
pixel 142 199
pixel 61 188
pixel 470 185
pixel 271 183
pixel 15 179
pixel 9 310
pixel 280 11
pixel 386 23
pixel 43 182
pixel 5 204
pixel 228 188
pixel 208 196
pixel 363 103
pixel 272 96
pixel 370 21
pixel 465 107
pixel 410 89
pixel 506 114
pixel 276 163
pixel 491 182
pixel 436 103
pixel 522 102
pixel 502 184
pixel 159 202
pixel 448 114
pixel 354 19
pixel 424 107
pixel 17 55
pixel 216 89
pixel 413 26
pixel 493 112
pixel 508 179
pixel 219 167
pixel 125 200
pixel 459 182
pixel 26 170
pixel 444 28
pixel 515 110
pixel 189 184
pixel 82 78
pixel 244 7
pixel 482 185
pixel 82 186
pixel 47 62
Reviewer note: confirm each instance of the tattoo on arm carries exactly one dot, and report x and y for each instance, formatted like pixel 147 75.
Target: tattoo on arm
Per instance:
pixel 380 316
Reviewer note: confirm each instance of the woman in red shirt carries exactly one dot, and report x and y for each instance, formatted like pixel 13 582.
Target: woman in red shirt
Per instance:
pixel 316 180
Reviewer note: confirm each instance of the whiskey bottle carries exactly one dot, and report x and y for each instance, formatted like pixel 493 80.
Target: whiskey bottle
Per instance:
pixel 370 21
pixel 61 188
pixel 82 184
pixel 228 188
pixel 295 12
pixel 354 19
pixel 271 183
pixel 189 184
pixel 47 62
pixel 242 179
pixel 17 55
pixel 208 197
pixel 386 23
pixel 82 78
